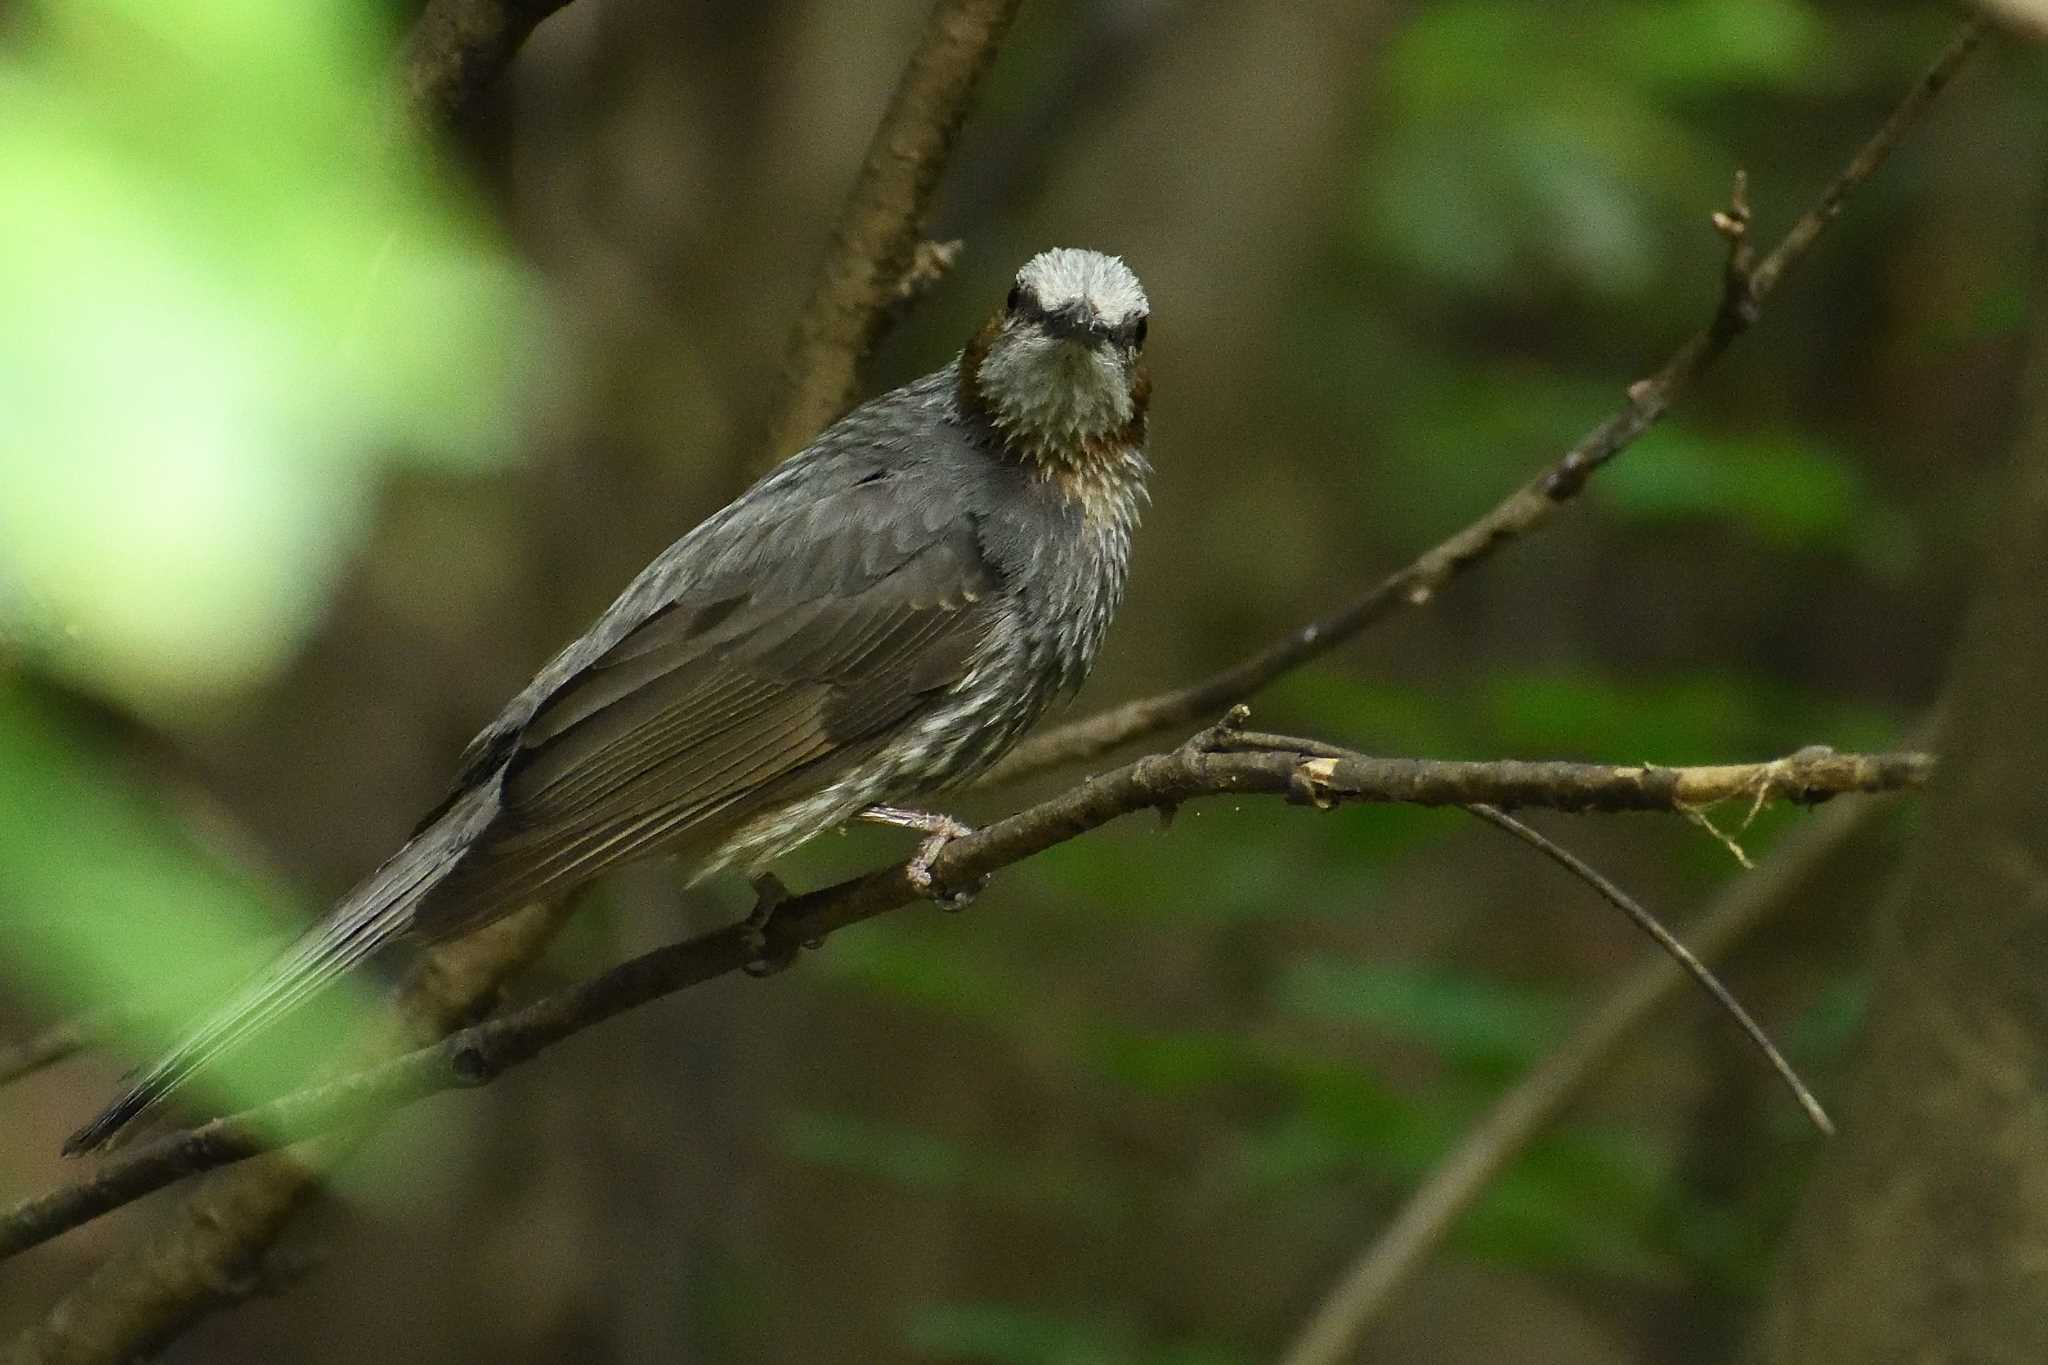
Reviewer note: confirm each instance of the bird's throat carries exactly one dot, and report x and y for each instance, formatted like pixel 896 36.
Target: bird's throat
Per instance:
pixel 1051 412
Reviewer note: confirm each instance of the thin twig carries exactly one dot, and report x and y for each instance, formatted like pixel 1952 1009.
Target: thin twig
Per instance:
pixel 1456 1183
pixel 1528 507
pixel 1668 941
pixel 1196 769
pixel 874 254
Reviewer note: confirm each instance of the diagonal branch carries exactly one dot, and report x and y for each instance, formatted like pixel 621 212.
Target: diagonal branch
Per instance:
pixel 1744 288
pixel 1456 1183
pixel 1301 771
pixel 875 259
pixel 1674 949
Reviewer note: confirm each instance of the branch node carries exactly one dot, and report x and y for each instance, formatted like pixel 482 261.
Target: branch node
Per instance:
pixel 1739 303
pixel 469 1065
pixel 1313 783
pixel 1218 736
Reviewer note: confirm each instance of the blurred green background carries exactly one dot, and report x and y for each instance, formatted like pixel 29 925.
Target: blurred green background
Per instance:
pixel 316 442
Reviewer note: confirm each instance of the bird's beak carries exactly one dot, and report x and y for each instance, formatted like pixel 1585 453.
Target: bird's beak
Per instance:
pixel 1077 322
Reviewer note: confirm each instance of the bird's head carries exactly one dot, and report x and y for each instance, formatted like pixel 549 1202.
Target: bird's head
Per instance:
pixel 1058 370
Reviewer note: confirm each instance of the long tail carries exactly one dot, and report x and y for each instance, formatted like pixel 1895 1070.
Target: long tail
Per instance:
pixel 380 910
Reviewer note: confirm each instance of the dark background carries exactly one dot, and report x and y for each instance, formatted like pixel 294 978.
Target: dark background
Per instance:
pixel 1144 1101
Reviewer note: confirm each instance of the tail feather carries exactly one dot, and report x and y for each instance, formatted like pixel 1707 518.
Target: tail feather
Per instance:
pixel 379 911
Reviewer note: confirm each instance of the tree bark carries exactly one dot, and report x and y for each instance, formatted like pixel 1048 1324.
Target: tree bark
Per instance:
pixel 1925 1236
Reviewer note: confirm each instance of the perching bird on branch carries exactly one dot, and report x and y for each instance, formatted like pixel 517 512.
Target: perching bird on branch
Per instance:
pixel 879 618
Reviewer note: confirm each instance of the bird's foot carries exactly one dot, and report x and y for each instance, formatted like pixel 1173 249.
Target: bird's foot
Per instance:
pixel 939 830
pixel 767 960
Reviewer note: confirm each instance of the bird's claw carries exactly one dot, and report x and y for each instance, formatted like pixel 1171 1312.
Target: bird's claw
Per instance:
pixel 920 874
pixel 939 830
pixel 767 959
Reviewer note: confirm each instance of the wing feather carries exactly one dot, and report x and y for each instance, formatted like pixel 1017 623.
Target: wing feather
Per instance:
pixel 697 720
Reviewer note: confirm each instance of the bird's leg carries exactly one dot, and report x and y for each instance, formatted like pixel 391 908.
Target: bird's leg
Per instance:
pixel 939 830
pixel 769 892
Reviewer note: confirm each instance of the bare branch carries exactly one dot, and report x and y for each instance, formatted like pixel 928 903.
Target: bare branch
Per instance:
pixel 1301 771
pixel 875 252
pixel 457 50
pixel 1455 1184
pixel 1531 505
pixel 1676 950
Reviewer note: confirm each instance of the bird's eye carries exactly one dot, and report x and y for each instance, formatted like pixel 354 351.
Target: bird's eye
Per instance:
pixel 1138 334
pixel 1016 296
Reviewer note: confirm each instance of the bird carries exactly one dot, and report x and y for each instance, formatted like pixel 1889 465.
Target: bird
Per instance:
pixel 876 620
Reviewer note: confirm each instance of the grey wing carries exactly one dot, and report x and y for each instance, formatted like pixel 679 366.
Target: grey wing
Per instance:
pixel 737 695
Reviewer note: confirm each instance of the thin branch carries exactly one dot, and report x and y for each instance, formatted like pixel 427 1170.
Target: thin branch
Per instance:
pixel 1456 1183
pixel 1743 291
pixel 1676 950
pixel 458 49
pixel 1303 772
pixel 875 252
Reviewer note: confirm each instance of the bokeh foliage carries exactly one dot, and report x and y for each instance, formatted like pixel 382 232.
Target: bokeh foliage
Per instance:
pixel 237 293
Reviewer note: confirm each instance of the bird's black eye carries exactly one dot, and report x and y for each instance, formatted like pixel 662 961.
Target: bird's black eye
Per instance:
pixel 1138 334
pixel 1016 296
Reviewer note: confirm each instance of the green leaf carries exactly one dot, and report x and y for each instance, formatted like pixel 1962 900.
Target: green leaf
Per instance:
pixel 236 290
